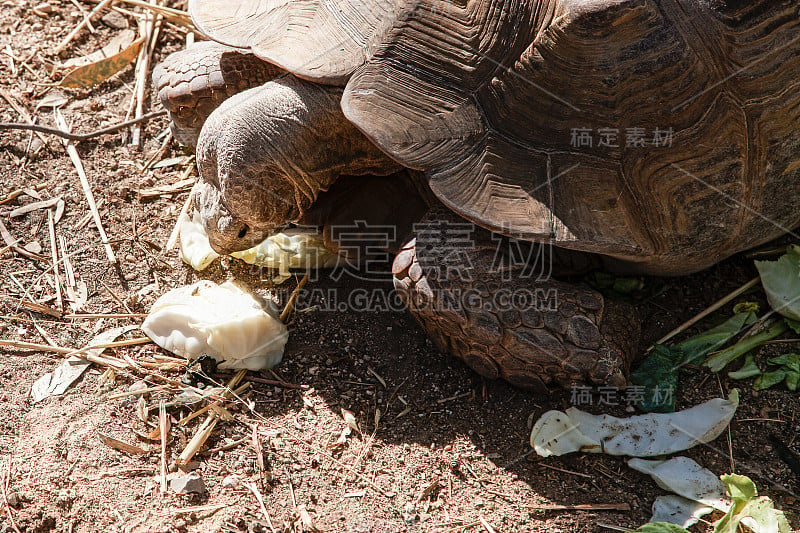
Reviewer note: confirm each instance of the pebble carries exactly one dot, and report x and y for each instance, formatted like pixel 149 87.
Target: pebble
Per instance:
pixel 191 483
pixel 14 499
pixel 410 513
pixel 43 9
pixel 115 20
pixel 231 481
pixel 137 386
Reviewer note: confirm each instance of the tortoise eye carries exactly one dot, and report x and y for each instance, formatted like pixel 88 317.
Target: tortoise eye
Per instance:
pixel 243 231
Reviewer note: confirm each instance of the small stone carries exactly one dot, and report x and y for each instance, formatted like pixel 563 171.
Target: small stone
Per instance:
pixel 43 10
pixel 137 386
pixel 231 481
pixel 33 247
pixel 191 483
pixel 14 499
pixel 116 20
pixel 410 513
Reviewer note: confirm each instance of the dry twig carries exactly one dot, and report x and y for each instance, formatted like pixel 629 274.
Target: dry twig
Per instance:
pixel 4 485
pixel 292 299
pixel 582 507
pixel 54 251
pixel 98 8
pixel 87 190
pixel 257 493
pixel 708 310
pixel 208 426
pixel 149 29
pixel 77 137
pixel 163 430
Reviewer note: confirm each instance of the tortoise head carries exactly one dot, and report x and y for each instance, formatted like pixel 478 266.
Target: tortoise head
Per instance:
pixel 239 219
pixel 266 154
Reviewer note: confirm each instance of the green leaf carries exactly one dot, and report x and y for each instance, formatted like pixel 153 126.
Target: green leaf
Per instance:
pixel 792 380
pixel 746 307
pixel 658 372
pixel 695 348
pixel 628 285
pixel 781 281
pixel 790 360
pixel 794 324
pixel 739 487
pixel 761 510
pixel 746 503
pixel 661 527
pixel 748 370
pixel 720 360
pixel 625 287
pixel 768 379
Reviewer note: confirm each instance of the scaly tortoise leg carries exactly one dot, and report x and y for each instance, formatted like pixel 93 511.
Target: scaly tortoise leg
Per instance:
pixel 192 83
pixel 531 332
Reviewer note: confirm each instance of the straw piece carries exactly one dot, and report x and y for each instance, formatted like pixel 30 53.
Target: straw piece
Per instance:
pixel 87 190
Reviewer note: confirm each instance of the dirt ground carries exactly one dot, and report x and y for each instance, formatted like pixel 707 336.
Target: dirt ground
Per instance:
pixel 450 450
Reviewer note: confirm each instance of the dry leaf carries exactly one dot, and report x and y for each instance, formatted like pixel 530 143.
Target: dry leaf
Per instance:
pixel 306 520
pixel 101 65
pixel 57 382
pixel 350 418
pixel 342 440
pixel 120 445
pixel 170 162
pixel 34 206
pixel 52 99
pixel 141 409
pixel 178 186
pixel 60 207
pixel 34 247
pixel 77 295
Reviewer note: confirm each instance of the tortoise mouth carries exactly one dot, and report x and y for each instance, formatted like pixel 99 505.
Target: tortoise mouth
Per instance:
pixel 377 211
pixel 226 230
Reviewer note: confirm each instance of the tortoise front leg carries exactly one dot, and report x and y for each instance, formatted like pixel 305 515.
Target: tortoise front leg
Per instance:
pixel 506 321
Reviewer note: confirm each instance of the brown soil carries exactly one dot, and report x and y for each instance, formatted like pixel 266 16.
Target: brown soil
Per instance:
pixel 450 450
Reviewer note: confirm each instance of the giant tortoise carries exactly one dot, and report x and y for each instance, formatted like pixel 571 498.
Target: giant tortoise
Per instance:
pixel 660 136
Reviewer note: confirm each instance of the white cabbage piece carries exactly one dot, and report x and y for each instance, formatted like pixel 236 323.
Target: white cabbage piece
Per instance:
pixel 195 249
pixel 292 248
pixel 698 490
pixel 674 509
pixel 226 322
pixel 558 433
pixel 301 248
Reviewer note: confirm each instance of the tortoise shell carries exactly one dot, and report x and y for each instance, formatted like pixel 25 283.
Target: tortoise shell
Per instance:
pixel 662 133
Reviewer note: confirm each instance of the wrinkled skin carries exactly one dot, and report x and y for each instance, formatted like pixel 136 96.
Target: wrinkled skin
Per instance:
pixel 252 183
